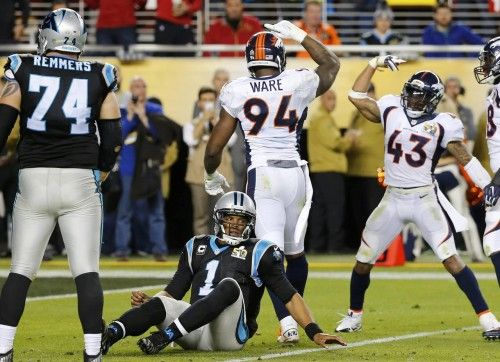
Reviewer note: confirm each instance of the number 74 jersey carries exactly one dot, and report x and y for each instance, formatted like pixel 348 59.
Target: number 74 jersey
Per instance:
pixel 413 147
pixel 271 112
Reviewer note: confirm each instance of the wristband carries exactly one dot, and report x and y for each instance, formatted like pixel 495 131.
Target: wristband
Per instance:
pixel 312 329
pixel 357 95
pixel 477 173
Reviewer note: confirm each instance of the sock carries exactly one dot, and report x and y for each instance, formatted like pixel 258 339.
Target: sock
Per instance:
pixel 90 302
pixel 296 272
pixel 495 259
pixel 205 310
pixel 7 334
pixel 172 332
pixel 138 320
pixel 359 285
pixel 13 298
pixel 92 344
pixel 468 283
pixel 287 323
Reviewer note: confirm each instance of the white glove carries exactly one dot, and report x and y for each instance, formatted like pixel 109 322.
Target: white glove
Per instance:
pixel 286 30
pixel 386 61
pixel 214 183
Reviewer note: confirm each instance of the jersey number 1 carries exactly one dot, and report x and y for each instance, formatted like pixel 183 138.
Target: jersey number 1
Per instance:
pixel 75 105
pixel 208 286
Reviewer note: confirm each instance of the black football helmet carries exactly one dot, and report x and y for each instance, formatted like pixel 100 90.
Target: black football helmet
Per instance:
pixel 488 71
pixel 264 49
pixel 421 94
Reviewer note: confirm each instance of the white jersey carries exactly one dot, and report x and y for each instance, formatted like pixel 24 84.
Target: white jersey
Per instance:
pixel 271 111
pixel 412 151
pixel 493 127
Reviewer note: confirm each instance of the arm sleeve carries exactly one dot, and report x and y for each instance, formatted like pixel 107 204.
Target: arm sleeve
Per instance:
pixel 384 103
pixel 226 100
pixel 453 130
pixel 111 140
pixel 12 66
pixel 272 273
pixel 309 84
pixel 110 79
pixel 181 282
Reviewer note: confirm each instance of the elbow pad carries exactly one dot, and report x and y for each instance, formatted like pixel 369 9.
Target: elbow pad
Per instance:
pixel 8 116
pixel 110 133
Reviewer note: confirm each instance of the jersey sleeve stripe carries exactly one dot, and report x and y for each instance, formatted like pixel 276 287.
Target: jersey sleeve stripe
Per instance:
pixel 15 62
pixel 386 114
pixel 189 250
pixel 258 252
pixel 109 74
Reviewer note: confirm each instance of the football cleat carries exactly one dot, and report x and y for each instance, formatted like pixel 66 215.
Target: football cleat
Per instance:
pixel 291 335
pixel 350 323
pixel 109 337
pixel 7 357
pixel 492 335
pixel 154 343
pixel 96 358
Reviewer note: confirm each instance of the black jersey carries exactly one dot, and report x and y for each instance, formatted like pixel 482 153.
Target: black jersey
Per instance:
pixel 61 100
pixel 254 263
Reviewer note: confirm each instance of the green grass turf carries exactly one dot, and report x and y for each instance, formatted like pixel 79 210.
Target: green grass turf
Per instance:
pixel 50 331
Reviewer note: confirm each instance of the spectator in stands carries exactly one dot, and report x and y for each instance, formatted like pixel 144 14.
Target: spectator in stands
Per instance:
pixel 10 30
pixel 443 31
pixel 173 22
pixel 116 23
pixel 234 28
pixel 363 158
pixel 327 145
pixel 59 4
pixel 451 103
pixel 313 25
pixel 140 177
pixel 196 134
pixel 382 33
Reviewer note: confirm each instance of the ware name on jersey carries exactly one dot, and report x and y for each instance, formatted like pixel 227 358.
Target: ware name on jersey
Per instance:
pixel 413 147
pixel 61 100
pixel 493 127
pixel 271 111
pixel 204 263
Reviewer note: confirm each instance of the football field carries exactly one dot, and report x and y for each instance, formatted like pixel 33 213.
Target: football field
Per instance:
pixel 412 313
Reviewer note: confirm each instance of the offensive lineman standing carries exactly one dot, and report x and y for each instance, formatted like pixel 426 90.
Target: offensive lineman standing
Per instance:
pixel 270 106
pixel 61 101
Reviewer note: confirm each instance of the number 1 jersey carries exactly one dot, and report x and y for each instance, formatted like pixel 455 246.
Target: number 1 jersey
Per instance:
pixel 271 111
pixel 61 100
pixel 413 147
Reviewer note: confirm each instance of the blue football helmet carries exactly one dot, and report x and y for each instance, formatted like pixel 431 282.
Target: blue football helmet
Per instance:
pixel 488 71
pixel 421 94
pixel 264 49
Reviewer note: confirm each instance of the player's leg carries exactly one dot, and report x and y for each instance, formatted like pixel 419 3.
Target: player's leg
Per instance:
pixel 33 222
pixel 80 222
pixel 199 314
pixel 491 239
pixel 381 227
pixel 436 230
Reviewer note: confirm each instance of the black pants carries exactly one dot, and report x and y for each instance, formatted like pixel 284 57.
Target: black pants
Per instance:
pixel 363 196
pixel 173 34
pixel 327 212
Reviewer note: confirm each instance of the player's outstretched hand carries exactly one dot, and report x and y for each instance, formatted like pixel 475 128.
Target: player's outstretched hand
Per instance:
pixel 386 61
pixel 324 339
pixel 214 183
pixel 491 194
pixel 137 298
pixel 286 30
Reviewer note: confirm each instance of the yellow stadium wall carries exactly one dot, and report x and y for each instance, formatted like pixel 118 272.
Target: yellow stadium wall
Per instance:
pixel 176 81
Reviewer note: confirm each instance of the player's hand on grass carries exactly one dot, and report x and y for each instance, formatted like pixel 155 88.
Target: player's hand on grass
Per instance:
pixel 137 298
pixel 386 61
pixel 324 339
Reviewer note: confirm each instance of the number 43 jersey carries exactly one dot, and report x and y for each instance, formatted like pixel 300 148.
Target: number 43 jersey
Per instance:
pixel 271 111
pixel 413 147
pixel 61 100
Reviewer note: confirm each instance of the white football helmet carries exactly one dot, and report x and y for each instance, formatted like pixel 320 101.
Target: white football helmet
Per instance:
pixel 234 203
pixel 488 71
pixel 62 30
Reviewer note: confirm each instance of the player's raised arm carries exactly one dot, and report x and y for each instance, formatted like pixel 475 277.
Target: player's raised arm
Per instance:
pixel 358 94
pixel 329 63
pixel 10 103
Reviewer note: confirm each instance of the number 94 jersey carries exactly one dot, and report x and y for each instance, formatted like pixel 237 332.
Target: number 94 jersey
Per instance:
pixel 61 100
pixel 493 127
pixel 271 111
pixel 413 147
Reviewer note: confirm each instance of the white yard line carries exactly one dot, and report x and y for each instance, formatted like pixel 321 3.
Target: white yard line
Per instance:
pixel 109 291
pixel 166 274
pixel 354 344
